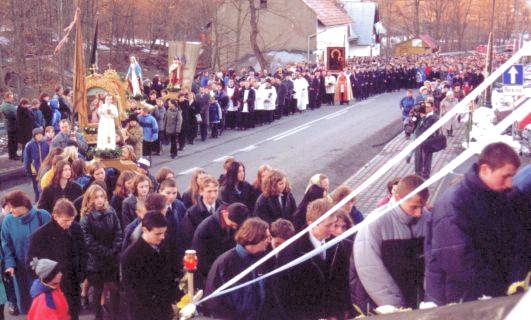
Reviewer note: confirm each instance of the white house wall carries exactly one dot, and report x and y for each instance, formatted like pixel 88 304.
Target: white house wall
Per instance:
pixel 336 36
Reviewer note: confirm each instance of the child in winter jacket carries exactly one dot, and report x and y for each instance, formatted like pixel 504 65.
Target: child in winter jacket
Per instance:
pixel 49 302
pixel 215 116
pixel 56 114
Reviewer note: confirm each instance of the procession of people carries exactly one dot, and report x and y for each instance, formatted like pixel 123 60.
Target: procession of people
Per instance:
pixel 112 243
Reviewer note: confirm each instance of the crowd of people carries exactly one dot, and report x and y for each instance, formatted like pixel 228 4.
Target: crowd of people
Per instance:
pixel 238 100
pixel 95 237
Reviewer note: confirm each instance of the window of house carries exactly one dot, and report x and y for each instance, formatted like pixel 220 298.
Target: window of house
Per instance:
pixel 263 4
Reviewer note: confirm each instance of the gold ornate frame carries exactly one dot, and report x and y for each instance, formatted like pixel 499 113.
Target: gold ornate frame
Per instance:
pixel 110 82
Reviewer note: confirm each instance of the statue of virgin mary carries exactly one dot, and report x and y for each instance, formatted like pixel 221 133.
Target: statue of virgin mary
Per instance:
pixel 134 77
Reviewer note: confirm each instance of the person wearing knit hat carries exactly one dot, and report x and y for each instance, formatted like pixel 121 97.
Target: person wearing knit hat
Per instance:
pixel 49 301
pixel 35 151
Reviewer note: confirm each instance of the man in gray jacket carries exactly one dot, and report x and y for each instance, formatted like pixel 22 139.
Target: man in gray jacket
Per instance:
pixel 68 137
pixel 387 265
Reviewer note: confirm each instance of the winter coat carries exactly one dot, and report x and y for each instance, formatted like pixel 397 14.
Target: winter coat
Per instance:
pixel 56 114
pixel 52 193
pixel 388 258
pixel 159 114
pixel 214 112
pixel 476 243
pixel 193 217
pixel 244 304
pixel 269 208
pixel 67 247
pixel 149 282
pixel 16 232
pixel 406 104
pixel 34 153
pixel 128 210
pixel 61 140
pixel 173 121
pixel 38 118
pixel 186 114
pixel 149 126
pixel 9 111
pixel 447 104
pixel 103 238
pixel 116 203
pixel 24 125
pixel 211 239
pixel 47 303
pixel 242 193
pixel 46 110
pixel 304 290
pixel 203 102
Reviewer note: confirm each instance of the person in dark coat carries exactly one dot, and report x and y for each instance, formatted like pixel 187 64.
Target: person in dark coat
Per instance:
pixel 123 189
pixel 62 240
pixel 205 207
pixel 276 200
pixel 172 124
pixel 236 189
pixel 9 113
pixel 103 238
pixel 303 289
pixel 24 122
pixel 46 109
pixel 186 127
pixel 147 273
pixel 253 239
pixel 141 187
pixel 423 156
pixel 62 187
pixel 215 235
pixel 299 217
pixel 34 154
pixel 203 101
pixel 476 243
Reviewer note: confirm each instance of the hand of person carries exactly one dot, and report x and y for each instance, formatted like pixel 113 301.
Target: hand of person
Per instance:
pixel 10 271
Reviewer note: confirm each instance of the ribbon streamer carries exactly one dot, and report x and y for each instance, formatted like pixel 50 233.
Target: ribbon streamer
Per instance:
pixel 67 30
pixel 380 172
pixel 516 115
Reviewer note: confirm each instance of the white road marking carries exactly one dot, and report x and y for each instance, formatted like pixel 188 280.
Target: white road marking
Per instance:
pixel 220 159
pixel 292 132
pixel 336 115
pixel 188 171
pixel 248 148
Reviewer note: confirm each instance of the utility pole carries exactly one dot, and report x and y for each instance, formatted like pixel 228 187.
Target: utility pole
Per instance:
pixel 490 53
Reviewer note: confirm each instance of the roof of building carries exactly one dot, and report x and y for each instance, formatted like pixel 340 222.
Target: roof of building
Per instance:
pixel 328 12
pixel 428 40
pixel 363 15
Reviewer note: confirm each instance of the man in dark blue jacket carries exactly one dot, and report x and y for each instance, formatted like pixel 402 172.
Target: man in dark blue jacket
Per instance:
pixel 476 244
pixel 406 104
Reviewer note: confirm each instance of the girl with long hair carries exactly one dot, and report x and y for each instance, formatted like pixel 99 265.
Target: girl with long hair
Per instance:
pixel 61 186
pixel 236 189
pixel 276 200
pixel 141 188
pixel 191 195
pixel 103 238
pixel 124 188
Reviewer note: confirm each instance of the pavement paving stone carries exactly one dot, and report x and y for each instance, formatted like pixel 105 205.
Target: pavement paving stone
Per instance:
pixel 366 201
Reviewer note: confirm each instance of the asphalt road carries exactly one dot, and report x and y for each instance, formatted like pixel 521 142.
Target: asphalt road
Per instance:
pixel 335 140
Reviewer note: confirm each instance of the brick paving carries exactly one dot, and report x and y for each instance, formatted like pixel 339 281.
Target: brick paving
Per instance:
pixel 366 200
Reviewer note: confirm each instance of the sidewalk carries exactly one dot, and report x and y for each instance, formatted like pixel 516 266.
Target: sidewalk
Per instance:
pixel 366 201
pixel 10 169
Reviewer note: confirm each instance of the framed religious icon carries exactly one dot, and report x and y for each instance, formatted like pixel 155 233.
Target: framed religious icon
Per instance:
pixel 335 58
pixel 99 86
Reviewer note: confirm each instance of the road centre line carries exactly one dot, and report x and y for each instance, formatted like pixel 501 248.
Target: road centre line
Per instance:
pixel 293 132
pixel 336 115
pixel 188 171
pixel 220 159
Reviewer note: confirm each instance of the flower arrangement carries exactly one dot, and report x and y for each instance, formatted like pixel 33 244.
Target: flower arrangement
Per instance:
pixel 105 154
pixel 91 130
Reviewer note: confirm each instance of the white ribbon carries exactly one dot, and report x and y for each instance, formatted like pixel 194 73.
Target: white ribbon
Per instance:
pixel 380 172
